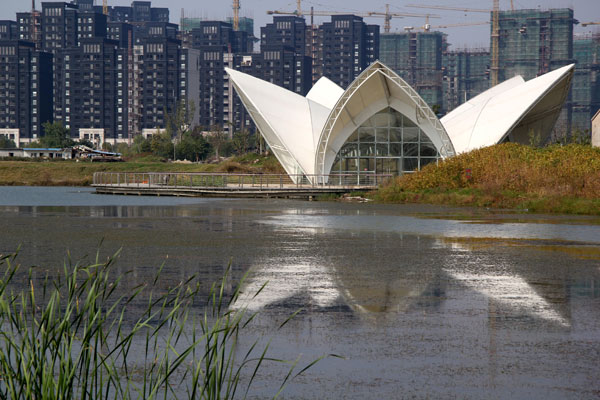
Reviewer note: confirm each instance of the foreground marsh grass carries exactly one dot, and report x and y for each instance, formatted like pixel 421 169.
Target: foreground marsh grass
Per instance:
pixel 556 179
pixel 73 337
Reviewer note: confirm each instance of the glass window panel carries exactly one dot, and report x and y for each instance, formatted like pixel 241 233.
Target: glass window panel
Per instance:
pixel 395 134
pixel 381 149
pixel 428 150
pixel 411 149
pixel 396 149
pixel 410 135
pixel 426 160
pixel 337 166
pixel 406 122
pixel 381 135
pixel 367 135
pixel 367 165
pixel 349 150
pixel 410 163
pixel 391 166
pixel 367 149
pixel 395 118
pixel 425 138
pixel 350 165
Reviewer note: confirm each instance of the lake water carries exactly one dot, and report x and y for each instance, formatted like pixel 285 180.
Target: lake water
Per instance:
pixel 422 301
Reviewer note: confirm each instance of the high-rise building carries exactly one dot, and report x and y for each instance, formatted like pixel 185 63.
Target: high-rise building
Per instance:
pixel 417 57
pixel 94 90
pixel 585 89
pixel 90 25
pixel 348 46
pixel 161 70
pixel 8 30
pixel 288 31
pixel 139 11
pixel 217 43
pixel 25 89
pixel 533 42
pixel 466 74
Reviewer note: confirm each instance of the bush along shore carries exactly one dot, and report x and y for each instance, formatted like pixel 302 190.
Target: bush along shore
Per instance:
pixel 83 335
pixel 554 179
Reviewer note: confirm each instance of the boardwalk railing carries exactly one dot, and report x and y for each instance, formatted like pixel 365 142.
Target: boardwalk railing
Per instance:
pixel 191 180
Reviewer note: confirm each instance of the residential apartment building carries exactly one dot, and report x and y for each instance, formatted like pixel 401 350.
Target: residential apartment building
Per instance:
pixel 25 90
pixel 348 46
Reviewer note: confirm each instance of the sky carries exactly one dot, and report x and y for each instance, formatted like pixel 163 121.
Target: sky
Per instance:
pixel 460 37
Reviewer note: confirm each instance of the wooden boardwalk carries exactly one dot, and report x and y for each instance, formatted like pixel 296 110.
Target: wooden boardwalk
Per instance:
pixel 233 185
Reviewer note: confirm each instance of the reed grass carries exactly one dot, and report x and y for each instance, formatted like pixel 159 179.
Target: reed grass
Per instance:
pixel 73 337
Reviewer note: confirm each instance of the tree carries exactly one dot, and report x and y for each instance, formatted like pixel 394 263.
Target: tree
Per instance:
pixel 6 143
pixel 180 122
pixel 241 141
pixel 217 138
pixel 192 147
pixel 141 145
pixel 55 135
pixel 161 144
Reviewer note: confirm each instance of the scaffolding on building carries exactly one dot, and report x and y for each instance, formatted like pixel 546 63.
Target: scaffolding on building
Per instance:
pixel 417 58
pixel 585 90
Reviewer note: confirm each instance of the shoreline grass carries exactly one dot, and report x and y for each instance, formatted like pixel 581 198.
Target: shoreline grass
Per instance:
pixel 554 179
pixel 70 338
pixel 74 173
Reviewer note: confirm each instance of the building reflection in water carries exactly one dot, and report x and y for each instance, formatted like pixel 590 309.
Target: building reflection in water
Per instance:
pixel 509 292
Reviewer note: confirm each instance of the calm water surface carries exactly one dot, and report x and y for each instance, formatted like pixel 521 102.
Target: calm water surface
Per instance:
pixel 423 302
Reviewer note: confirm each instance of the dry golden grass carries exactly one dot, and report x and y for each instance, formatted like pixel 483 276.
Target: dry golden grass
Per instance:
pixel 72 173
pixel 563 179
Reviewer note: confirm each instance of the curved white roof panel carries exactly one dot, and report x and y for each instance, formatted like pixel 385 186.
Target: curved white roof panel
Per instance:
pixel 284 118
pixel 513 109
pixel 325 92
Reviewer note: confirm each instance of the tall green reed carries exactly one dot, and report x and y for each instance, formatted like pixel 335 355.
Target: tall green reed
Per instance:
pixel 73 337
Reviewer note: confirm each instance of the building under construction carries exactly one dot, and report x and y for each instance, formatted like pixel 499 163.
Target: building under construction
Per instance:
pixel 532 42
pixel 466 74
pixel 417 58
pixel 585 90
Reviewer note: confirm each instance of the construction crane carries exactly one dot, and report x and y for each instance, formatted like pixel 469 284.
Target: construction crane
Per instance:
pixel 495 29
pixel 428 27
pixel 589 23
pixel 435 7
pixel 35 21
pixel 105 7
pixel 236 15
pixel 387 15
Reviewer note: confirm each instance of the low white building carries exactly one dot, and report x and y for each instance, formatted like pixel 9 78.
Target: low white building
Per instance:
pixel 49 153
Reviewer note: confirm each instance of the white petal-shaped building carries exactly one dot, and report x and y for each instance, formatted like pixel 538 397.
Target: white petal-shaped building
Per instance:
pixel 514 110
pixel 380 125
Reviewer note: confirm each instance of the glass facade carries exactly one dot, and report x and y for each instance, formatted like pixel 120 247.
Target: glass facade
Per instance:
pixel 387 143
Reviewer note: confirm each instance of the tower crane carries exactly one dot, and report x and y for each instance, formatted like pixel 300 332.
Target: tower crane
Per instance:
pixel 105 7
pixel 387 15
pixel 589 23
pixel 495 29
pixel 428 27
pixel 236 15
